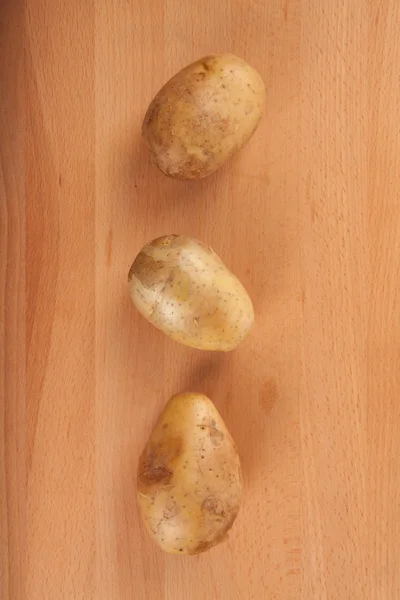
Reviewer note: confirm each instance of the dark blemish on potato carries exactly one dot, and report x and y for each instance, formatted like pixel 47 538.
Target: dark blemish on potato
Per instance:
pixel 206 66
pixel 216 435
pixel 171 510
pixel 154 464
pixel 202 546
pixel 213 506
pixel 151 473
pixel 148 270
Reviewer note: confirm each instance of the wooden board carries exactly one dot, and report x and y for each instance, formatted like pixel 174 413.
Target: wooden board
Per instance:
pixel 307 216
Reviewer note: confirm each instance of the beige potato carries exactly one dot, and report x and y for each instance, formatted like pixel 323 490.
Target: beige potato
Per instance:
pixel 182 287
pixel 189 477
pixel 203 115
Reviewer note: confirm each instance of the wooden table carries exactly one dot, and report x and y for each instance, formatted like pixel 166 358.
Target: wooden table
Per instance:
pixel 307 216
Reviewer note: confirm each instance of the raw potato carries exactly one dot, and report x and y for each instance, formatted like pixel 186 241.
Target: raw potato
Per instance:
pixel 203 115
pixel 182 287
pixel 189 477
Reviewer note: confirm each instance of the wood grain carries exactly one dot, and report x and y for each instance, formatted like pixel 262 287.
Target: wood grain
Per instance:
pixel 12 304
pixel 306 215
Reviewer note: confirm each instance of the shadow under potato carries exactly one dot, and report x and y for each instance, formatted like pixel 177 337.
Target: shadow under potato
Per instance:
pixel 156 201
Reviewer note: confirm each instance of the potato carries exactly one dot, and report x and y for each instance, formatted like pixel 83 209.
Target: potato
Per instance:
pixel 203 115
pixel 182 287
pixel 189 477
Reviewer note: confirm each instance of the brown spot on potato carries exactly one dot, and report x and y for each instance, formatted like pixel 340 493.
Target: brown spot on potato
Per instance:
pixel 171 510
pixel 213 506
pixel 151 473
pixel 148 270
pixel 202 546
pixel 218 537
pixel 156 463
pixel 216 436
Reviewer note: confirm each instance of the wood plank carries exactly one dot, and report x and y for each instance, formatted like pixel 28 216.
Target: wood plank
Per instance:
pixel 60 285
pixel 12 303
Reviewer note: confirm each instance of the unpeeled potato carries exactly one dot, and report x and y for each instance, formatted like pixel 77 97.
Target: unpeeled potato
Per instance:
pixel 182 287
pixel 189 477
pixel 203 115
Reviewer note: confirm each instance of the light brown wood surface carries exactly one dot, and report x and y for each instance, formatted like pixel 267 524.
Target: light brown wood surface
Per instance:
pixel 307 215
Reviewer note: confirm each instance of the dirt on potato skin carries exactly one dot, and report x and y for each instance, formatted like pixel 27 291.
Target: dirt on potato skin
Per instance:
pixel 155 467
pixel 217 537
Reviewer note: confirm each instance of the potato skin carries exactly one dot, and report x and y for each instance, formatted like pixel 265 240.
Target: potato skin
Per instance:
pixel 189 477
pixel 183 288
pixel 203 115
